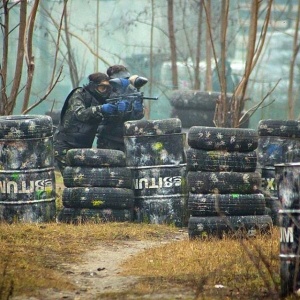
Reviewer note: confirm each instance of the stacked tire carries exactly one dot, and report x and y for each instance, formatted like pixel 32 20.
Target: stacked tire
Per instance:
pixel 98 187
pixel 278 141
pixel 27 177
pixel 193 107
pixel 155 153
pixel 223 185
pixel 196 108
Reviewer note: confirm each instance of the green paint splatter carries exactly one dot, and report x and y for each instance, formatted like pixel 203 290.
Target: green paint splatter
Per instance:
pixel 15 176
pixel 97 202
pixel 157 146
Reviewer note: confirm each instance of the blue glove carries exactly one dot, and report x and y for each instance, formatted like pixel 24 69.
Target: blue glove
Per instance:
pixel 123 106
pixel 108 109
pixel 138 106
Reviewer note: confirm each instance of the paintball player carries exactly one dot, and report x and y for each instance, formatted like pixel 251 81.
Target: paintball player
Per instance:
pixel 110 132
pixel 82 112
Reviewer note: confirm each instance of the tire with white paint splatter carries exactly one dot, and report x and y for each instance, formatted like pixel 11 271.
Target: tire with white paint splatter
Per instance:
pixel 214 160
pixel 273 149
pixel 200 182
pixel 152 127
pixel 226 204
pixel 25 126
pixel 292 155
pixel 27 176
pixel 230 139
pixel 149 150
pixel 87 215
pixel 98 198
pixel 117 177
pixel 199 227
pixel 92 157
pixel 283 128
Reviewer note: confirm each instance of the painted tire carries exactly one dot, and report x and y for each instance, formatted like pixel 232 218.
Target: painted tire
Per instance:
pixel 223 182
pixel 292 155
pixel 152 127
pixel 273 149
pixel 27 195
pixel 202 160
pixel 230 139
pixel 195 99
pixel 217 226
pixel 98 197
pixel 117 177
pixel 24 154
pixel 85 215
pixel 92 157
pixel 25 126
pixel 226 204
pixel 283 128
pixel 167 149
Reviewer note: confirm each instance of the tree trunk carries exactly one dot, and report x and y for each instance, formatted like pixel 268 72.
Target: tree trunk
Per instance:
pixel 19 61
pixel 291 100
pixel 29 56
pixel 172 41
pixel 197 83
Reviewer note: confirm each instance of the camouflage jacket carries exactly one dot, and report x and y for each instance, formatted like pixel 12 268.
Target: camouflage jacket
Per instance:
pixel 79 119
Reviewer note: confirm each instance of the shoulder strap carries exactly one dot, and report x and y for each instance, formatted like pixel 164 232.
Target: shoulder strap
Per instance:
pixel 64 108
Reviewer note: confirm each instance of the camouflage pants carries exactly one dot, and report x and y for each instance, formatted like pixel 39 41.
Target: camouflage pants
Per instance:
pixel 60 152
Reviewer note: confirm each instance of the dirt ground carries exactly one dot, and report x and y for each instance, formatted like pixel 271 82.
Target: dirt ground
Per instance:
pixel 100 270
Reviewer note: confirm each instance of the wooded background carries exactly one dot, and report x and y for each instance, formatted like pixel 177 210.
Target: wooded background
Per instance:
pixel 49 47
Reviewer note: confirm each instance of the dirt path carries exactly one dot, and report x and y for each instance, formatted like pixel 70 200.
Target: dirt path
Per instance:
pixel 100 270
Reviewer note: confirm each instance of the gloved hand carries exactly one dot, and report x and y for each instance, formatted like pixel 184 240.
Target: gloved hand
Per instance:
pixel 123 106
pixel 108 108
pixel 138 106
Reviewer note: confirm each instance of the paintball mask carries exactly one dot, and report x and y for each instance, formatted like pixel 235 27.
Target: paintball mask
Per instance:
pixel 99 84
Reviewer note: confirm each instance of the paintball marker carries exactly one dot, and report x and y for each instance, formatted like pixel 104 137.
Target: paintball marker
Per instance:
pixel 137 82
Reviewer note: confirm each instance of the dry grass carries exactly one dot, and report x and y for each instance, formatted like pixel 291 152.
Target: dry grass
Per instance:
pixel 31 255
pixel 247 269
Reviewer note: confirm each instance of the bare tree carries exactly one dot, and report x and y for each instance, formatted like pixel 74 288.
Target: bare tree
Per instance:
pixel 291 100
pixel 172 41
pixel 24 52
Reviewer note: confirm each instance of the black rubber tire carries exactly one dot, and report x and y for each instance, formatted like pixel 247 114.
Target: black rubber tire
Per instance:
pixel 92 157
pixel 192 117
pixel 218 226
pixel 98 197
pixel 152 127
pixel 195 99
pixel 100 177
pixel 21 154
pixel 167 149
pixel 272 149
pixel 230 139
pixel 86 215
pixel 25 126
pixel 292 155
pixel 223 182
pixel 283 128
pixel 226 204
pixel 202 160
